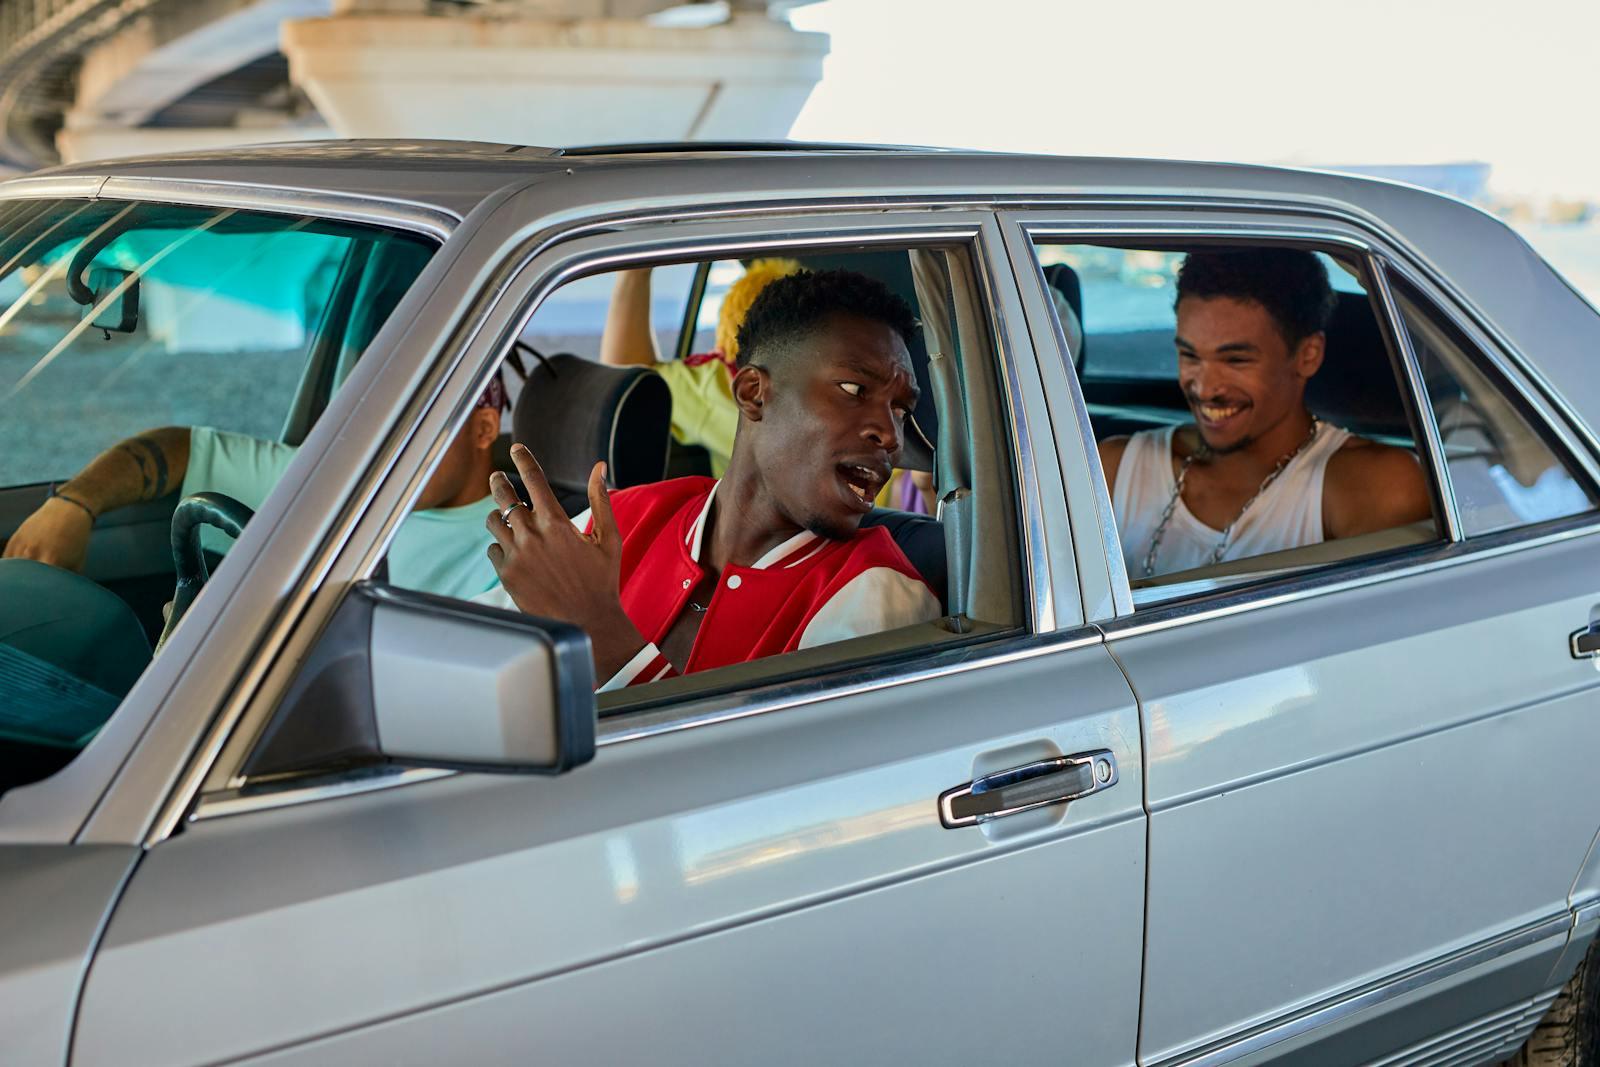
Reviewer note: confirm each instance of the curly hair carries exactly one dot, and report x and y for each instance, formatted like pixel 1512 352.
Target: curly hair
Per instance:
pixel 795 306
pixel 1290 283
pixel 741 294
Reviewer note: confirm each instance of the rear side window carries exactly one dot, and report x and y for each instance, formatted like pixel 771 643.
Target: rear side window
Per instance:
pixel 1255 428
pixel 1503 473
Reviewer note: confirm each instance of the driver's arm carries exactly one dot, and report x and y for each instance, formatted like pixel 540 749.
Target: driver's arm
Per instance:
pixel 143 467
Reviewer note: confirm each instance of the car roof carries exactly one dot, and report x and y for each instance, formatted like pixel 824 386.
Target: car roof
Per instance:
pixel 1522 298
pixel 455 176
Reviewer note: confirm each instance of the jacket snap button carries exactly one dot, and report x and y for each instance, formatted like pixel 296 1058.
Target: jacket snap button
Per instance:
pixel 735 582
pixel 687 583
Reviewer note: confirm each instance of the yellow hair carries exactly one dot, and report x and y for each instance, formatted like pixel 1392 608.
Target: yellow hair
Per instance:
pixel 741 294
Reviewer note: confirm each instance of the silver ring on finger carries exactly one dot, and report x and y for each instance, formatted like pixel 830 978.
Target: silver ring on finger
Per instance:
pixel 505 513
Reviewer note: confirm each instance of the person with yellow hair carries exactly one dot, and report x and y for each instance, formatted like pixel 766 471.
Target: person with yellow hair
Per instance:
pixel 703 411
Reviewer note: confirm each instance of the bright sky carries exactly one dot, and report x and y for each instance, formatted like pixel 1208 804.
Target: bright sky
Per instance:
pixel 1516 84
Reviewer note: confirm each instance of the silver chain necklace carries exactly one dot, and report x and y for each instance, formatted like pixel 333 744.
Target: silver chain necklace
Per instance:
pixel 1204 452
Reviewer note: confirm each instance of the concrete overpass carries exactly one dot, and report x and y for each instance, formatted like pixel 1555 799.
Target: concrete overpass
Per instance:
pixel 85 79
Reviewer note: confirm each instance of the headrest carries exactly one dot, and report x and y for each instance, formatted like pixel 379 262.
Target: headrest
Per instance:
pixel 1355 388
pixel 572 413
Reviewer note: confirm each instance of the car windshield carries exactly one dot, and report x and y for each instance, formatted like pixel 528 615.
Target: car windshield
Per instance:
pixel 149 351
pixel 118 317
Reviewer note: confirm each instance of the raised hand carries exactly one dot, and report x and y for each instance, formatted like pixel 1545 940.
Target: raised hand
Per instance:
pixel 555 571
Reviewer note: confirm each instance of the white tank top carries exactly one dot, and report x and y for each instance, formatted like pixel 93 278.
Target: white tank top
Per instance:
pixel 1287 515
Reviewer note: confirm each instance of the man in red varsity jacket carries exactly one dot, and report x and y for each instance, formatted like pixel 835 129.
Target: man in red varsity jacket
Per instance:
pixel 690 574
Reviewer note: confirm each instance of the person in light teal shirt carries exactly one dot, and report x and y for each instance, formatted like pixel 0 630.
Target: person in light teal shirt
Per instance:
pixel 441 547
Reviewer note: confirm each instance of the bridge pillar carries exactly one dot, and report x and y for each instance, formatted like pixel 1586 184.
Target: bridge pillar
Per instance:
pixel 127 78
pixel 374 71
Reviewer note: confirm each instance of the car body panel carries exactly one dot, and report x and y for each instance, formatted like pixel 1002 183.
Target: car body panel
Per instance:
pixel 57 899
pixel 278 926
pixel 1426 750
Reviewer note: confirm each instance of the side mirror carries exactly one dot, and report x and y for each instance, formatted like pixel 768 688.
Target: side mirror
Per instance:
pixel 121 315
pixel 422 680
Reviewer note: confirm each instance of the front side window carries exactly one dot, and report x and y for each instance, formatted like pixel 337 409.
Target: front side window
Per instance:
pixel 147 352
pixel 1246 407
pixel 800 488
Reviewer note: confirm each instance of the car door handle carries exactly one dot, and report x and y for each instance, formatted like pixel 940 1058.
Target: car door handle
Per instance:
pixel 1585 643
pixel 1033 785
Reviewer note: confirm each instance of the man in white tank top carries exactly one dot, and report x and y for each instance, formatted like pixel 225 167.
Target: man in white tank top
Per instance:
pixel 1255 472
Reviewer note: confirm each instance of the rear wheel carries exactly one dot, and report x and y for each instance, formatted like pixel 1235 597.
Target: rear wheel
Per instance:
pixel 1569 1033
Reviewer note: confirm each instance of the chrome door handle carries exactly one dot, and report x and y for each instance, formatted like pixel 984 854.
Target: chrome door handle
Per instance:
pixel 1585 643
pixel 1033 785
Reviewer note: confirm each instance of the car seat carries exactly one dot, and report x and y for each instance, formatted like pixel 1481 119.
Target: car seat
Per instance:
pixel 921 538
pixel 69 650
pixel 573 413
pixel 1356 388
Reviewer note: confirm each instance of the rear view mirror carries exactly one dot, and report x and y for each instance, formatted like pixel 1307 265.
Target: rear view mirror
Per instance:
pixel 415 679
pixel 121 315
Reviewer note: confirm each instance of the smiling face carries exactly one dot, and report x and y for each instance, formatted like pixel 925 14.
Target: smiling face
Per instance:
pixel 827 415
pixel 1238 372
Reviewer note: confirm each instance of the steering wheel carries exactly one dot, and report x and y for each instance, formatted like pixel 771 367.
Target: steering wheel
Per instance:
pixel 193 512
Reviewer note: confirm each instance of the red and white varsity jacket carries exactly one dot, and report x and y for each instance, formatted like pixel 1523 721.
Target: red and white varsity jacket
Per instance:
pixel 808 591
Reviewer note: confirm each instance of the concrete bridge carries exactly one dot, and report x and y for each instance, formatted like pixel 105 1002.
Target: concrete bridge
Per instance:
pixel 85 79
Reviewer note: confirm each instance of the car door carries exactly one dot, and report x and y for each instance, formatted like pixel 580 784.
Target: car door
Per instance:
pixel 755 876
pixel 1364 783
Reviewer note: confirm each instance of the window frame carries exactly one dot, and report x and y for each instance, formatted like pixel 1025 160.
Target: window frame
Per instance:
pixel 528 272
pixel 1383 255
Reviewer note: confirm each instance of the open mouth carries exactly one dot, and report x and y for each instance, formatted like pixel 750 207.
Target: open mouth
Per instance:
pixel 862 483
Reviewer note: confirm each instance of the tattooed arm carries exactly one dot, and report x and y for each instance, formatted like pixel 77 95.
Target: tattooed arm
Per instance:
pixel 145 467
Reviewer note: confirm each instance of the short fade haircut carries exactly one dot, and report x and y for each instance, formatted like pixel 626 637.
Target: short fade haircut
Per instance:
pixel 795 306
pixel 1292 284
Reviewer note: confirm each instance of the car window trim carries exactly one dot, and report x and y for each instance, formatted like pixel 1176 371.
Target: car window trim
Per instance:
pixel 1398 337
pixel 691 310
pixel 432 222
pixel 1357 573
pixel 1097 584
pixel 556 255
